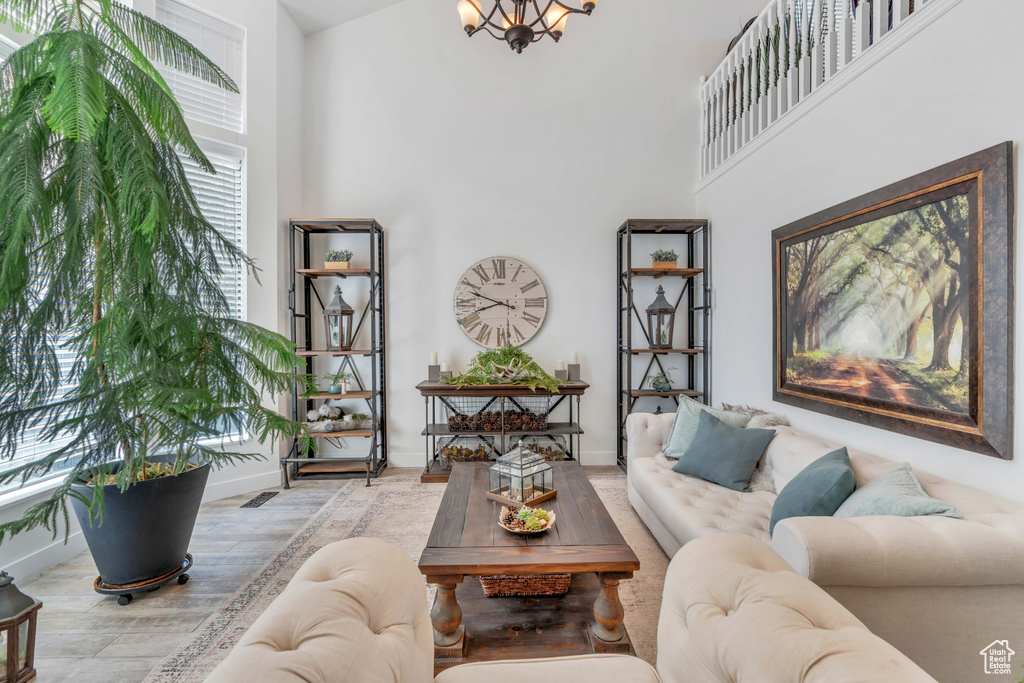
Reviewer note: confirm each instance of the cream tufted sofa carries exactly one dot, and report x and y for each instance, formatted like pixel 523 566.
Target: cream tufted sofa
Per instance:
pixel 733 612
pixel 934 587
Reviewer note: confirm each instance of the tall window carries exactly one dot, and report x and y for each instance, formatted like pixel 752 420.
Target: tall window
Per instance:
pixel 224 44
pixel 222 200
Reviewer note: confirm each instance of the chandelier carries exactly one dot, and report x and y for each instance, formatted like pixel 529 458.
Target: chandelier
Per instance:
pixel 520 22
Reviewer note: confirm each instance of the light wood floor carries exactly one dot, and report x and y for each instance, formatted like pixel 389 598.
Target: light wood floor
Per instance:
pixel 85 637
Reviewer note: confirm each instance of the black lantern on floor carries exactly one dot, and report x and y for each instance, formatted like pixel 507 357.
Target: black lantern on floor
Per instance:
pixel 661 321
pixel 17 632
pixel 338 323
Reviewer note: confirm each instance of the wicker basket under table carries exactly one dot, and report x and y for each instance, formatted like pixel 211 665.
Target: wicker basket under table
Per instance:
pixel 515 586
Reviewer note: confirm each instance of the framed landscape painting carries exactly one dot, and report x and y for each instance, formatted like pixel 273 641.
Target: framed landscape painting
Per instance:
pixel 895 309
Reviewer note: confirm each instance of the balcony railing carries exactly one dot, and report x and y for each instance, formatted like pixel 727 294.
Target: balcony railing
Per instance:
pixel 792 50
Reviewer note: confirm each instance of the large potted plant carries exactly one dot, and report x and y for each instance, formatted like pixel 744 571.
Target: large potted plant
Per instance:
pixel 105 257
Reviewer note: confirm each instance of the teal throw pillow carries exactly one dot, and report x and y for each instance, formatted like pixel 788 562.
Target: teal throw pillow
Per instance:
pixel 723 454
pixel 685 425
pixel 897 493
pixel 818 490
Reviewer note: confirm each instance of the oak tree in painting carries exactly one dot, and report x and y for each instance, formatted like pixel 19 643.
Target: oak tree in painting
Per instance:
pixel 880 309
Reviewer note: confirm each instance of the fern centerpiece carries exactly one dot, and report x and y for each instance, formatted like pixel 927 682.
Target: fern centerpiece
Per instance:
pixel 106 257
pixel 507 365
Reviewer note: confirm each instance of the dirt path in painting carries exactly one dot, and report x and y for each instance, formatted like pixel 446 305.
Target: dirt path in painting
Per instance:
pixel 868 378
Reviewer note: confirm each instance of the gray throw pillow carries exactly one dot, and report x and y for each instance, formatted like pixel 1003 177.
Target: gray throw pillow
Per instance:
pixel 723 454
pixel 685 425
pixel 818 490
pixel 897 493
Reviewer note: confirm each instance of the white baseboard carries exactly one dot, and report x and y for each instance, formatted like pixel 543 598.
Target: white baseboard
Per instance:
pixel 46 557
pixel 243 485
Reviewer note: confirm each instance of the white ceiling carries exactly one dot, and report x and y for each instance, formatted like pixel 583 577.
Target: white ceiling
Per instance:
pixel 316 15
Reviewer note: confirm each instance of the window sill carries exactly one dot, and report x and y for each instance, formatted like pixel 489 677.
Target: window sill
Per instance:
pixel 44 487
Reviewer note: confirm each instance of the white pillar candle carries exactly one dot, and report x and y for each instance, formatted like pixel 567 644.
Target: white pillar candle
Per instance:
pixel 560 365
pixel 433 357
pixel 574 358
pixel 446 367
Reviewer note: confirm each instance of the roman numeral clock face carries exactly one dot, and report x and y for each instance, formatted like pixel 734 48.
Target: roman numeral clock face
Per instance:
pixel 500 300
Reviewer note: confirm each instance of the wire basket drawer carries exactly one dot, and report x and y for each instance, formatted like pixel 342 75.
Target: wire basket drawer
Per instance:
pixel 485 413
pixel 464 449
pixel 553 447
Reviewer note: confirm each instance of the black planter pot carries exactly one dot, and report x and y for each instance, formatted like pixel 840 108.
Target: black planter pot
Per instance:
pixel 145 531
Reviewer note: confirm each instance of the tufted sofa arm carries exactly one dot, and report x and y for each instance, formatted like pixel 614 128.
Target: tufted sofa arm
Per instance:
pixel 646 433
pixel 355 611
pixel 734 611
pixel 985 550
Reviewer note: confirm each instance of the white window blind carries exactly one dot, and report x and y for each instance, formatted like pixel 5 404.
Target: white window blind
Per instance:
pixel 6 48
pixel 224 44
pixel 222 201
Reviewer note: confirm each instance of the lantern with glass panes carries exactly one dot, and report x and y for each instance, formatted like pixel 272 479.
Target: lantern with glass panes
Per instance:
pixel 521 477
pixel 661 321
pixel 17 632
pixel 338 317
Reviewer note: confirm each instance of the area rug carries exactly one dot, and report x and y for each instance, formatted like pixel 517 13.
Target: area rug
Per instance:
pixel 400 510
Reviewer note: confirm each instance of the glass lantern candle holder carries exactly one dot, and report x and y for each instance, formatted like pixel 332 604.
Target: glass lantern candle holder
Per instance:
pixel 661 321
pixel 338 317
pixel 521 477
pixel 17 632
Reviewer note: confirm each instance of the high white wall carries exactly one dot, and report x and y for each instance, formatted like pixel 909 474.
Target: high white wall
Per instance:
pixel 951 90
pixel 463 150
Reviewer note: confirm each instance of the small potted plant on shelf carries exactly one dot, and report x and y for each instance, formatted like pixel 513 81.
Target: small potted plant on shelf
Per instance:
pixel 663 380
pixel 337 382
pixel 362 421
pixel 338 259
pixel 665 259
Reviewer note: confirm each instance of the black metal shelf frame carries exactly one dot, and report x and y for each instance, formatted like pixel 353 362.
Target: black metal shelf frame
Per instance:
pixel 696 291
pixel 374 314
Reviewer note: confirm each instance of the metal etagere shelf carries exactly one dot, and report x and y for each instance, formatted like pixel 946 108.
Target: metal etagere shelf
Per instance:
pixel 694 294
pixel 304 304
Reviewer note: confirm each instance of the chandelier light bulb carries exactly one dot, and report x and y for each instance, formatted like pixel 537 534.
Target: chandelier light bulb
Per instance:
pixel 470 12
pixel 556 19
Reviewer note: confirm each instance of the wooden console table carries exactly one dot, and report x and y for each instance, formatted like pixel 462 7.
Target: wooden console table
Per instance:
pixel 437 395
pixel 466 542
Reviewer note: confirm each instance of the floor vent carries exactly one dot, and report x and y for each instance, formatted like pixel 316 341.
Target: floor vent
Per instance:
pixel 260 499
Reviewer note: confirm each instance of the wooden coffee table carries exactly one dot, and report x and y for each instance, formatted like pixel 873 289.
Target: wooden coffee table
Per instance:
pixel 467 541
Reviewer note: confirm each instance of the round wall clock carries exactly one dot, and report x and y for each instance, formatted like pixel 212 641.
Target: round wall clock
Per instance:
pixel 500 301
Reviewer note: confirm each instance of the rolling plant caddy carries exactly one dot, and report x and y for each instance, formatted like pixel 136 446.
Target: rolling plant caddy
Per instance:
pixel 106 257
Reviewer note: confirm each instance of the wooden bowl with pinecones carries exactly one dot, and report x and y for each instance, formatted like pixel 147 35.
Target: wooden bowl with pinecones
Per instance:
pixel 525 521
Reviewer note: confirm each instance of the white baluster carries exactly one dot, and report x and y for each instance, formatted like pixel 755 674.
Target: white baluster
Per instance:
pixel 795 44
pixel 831 41
pixel 763 81
pixel 818 50
pixel 845 33
pixel 900 12
pixel 881 10
pixel 863 27
pixel 783 50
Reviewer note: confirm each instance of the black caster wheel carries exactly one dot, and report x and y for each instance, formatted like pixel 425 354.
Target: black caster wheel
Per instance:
pixel 124 599
pixel 183 579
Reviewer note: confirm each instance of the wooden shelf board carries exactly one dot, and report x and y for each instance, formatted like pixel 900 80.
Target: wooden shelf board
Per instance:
pixel 435 474
pixel 333 467
pixel 351 434
pixel 554 428
pixel 665 352
pixel 336 354
pixel 667 226
pixel 657 273
pixel 325 396
pixel 647 393
pixel 314 273
pixel 333 224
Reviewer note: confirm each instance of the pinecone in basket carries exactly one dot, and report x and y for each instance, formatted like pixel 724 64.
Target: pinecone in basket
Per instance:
pixel 508 515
